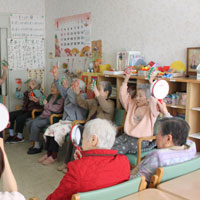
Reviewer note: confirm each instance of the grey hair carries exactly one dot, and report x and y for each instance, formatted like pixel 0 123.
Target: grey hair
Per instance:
pixel 104 130
pixel 81 84
pixel 38 83
pixel 177 127
pixel 146 88
pixel 107 86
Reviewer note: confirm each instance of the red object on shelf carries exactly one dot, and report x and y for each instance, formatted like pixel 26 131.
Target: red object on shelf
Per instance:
pixel 166 68
pixel 151 64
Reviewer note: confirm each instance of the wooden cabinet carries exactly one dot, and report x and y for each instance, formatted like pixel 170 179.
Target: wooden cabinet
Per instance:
pixel 191 110
pixel 87 78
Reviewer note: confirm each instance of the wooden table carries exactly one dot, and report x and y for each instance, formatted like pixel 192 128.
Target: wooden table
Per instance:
pixel 187 186
pixel 151 194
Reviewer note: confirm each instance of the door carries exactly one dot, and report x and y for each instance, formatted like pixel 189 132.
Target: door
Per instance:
pixel 9 87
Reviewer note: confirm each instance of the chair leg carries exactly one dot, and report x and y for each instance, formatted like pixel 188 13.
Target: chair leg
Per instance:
pixel 4 135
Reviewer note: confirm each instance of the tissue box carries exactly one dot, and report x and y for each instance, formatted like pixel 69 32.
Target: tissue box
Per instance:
pixel 143 73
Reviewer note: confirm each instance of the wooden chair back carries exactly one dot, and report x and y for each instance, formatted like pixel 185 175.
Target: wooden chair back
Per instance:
pixel 114 192
pixel 170 172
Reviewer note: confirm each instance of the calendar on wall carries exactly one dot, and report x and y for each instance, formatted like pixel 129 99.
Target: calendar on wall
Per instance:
pixel 26 54
pixel 72 37
pixel 26 26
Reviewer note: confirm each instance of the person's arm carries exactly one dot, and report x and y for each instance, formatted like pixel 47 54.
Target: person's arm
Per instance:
pixel 147 167
pixel 3 78
pixel 57 108
pixel 163 109
pixel 63 91
pixel 124 96
pixel 107 106
pixel 9 182
pixel 83 103
pixel 69 185
pixel 19 95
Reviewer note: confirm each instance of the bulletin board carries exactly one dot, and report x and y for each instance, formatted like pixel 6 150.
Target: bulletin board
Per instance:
pixel 72 37
pixel 26 54
pixel 26 26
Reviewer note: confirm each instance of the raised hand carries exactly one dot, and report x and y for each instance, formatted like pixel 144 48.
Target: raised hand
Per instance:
pixel 95 90
pixel 32 98
pixel 162 107
pixel 54 72
pixel 65 83
pixel 77 155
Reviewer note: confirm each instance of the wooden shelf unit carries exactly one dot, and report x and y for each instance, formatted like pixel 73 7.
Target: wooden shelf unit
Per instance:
pixel 188 85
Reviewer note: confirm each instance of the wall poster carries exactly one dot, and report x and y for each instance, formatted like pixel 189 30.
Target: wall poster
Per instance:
pixel 26 54
pixel 25 26
pixel 72 37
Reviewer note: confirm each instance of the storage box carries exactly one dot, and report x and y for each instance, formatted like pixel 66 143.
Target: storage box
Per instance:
pixel 143 73
pixel 105 67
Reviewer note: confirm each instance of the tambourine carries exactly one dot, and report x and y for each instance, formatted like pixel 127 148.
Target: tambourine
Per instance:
pixel 76 136
pixel 159 89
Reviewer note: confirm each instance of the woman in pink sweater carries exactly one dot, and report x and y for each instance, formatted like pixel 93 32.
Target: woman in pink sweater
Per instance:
pixel 142 112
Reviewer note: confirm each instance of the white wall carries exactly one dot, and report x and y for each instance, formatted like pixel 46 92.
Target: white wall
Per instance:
pixel 161 30
pixel 19 7
pixel 23 6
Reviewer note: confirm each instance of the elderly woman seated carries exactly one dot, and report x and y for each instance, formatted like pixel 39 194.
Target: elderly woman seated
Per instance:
pixel 173 147
pixel 98 167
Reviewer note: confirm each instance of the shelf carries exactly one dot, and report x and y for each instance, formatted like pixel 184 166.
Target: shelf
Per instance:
pixel 196 108
pixel 195 135
pixel 175 106
pixel 114 97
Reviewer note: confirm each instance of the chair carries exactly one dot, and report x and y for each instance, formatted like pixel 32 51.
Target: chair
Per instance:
pixel 3 99
pixel 34 113
pixel 170 172
pixel 135 159
pixel 119 119
pixel 114 192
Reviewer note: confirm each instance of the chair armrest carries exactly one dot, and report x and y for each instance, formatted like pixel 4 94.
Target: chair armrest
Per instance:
pixel 139 146
pixel 54 116
pixel 153 181
pixel 18 107
pixel 34 111
pixel 119 128
pixel 33 198
pixel 78 122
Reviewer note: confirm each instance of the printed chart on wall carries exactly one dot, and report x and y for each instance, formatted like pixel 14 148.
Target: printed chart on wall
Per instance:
pixel 27 26
pixel 26 54
pixel 72 37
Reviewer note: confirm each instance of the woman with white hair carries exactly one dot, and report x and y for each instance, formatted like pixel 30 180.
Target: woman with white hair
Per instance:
pixel 55 134
pixel 99 107
pixel 30 102
pixel 99 167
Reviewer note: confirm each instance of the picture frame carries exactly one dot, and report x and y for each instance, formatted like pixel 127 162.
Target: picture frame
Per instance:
pixel 193 60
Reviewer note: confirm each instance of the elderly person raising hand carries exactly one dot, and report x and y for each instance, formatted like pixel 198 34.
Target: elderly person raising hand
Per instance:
pixel 99 166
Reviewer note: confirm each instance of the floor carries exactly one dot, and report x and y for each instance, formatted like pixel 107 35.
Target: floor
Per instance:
pixel 33 179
